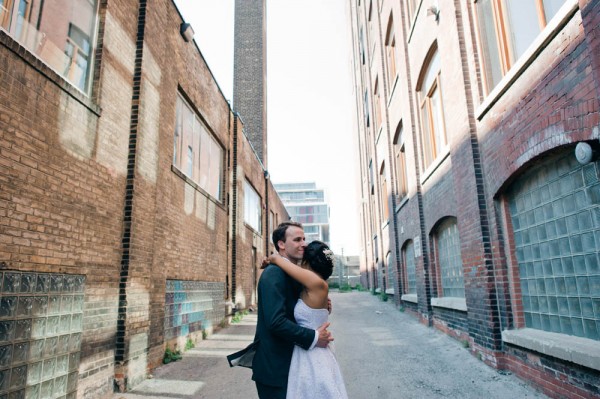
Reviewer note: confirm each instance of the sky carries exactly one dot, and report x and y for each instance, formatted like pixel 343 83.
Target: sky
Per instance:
pixel 310 100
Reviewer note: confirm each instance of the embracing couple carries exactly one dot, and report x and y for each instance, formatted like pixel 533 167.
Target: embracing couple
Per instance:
pixel 293 356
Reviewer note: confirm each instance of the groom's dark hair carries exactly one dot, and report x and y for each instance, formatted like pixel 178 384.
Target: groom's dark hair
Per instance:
pixel 279 232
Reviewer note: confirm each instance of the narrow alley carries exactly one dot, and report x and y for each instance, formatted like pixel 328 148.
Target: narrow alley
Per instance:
pixel 383 353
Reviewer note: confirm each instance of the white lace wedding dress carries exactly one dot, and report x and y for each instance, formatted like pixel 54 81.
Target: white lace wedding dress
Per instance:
pixel 314 373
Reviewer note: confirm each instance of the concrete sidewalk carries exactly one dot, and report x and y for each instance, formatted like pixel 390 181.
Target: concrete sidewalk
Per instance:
pixel 204 372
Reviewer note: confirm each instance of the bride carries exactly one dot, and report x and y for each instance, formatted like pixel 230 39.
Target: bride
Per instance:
pixel 313 373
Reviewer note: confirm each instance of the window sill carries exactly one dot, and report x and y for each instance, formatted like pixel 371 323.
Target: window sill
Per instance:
pixel 39 65
pixel 410 298
pixel 403 201
pixel 393 90
pixel 450 303
pixel 249 227
pixel 551 30
pixel 435 164
pixel 582 351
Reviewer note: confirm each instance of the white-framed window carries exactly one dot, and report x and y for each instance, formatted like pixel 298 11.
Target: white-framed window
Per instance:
pixel 196 152
pixel 62 37
pixel 507 28
pixel 377 104
pixel 412 7
pixel 400 159
pixel 449 260
pixel 383 195
pixel 390 51
pixel 252 207
pixel 433 130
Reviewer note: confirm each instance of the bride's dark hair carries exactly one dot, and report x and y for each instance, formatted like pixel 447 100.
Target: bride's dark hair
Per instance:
pixel 320 258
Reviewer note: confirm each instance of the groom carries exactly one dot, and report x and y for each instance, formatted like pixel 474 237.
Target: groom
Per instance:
pixel 276 329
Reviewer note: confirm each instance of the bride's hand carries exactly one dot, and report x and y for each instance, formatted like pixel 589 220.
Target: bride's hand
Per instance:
pixel 272 257
pixel 265 263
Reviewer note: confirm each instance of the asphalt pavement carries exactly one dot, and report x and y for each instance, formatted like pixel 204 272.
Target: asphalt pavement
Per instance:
pixel 383 353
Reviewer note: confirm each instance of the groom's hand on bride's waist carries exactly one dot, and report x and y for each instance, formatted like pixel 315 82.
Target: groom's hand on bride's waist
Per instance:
pixel 325 336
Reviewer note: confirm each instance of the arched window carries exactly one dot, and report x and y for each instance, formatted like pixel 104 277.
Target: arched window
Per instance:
pixel 433 130
pixel 408 259
pixel 400 160
pixel 390 51
pixel 450 268
pixel 377 104
pixel 556 226
pixel 383 194
pixel 391 272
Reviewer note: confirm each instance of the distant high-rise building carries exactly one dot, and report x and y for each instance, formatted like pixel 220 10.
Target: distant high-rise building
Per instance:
pixel 306 204
pixel 250 72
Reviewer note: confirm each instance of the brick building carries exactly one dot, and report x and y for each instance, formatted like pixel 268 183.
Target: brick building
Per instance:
pixel 133 209
pixel 476 214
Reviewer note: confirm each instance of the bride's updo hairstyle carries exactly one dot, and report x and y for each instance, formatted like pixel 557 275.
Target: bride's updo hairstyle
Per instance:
pixel 320 258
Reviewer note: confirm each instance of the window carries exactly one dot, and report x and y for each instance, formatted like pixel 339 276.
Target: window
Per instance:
pixel 507 28
pixel 271 224
pixel 450 262
pixel 77 50
pixel 391 271
pixel 412 7
pixel 371 177
pixel 63 37
pixel 377 105
pixel 309 214
pixel 556 227
pixel 390 49
pixel 408 256
pixel 366 110
pixel 383 195
pixel 252 207
pixel 433 131
pixel 195 151
pixel 400 159
pixel 362 47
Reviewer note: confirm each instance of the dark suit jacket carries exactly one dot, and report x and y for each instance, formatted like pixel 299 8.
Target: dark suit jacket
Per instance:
pixel 276 328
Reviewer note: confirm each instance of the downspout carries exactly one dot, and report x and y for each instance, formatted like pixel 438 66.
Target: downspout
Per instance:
pixel 129 196
pixel 234 209
pixel 267 213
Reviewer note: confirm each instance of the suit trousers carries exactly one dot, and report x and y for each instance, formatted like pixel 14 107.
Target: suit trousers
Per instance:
pixel 269 392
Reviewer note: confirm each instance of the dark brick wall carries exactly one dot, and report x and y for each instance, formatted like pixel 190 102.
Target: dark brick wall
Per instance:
pixel 554 377
pixel 550 105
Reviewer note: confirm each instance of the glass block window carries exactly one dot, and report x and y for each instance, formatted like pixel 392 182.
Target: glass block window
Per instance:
pixel 556 220
pixel 41 321
pixel 451 268
pixel 409 263
pixel 391 271
pixel 192 306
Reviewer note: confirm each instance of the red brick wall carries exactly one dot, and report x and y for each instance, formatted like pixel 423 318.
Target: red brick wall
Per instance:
pixel 68 205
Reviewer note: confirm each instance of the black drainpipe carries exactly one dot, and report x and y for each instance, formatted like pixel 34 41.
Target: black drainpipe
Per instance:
pixel 130 185
pixel 267 212
pixel 234 210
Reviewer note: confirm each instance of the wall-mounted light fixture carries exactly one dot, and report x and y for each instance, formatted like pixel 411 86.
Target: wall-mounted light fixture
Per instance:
pixel 585 153
pixel 434 10
pixel 186 31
